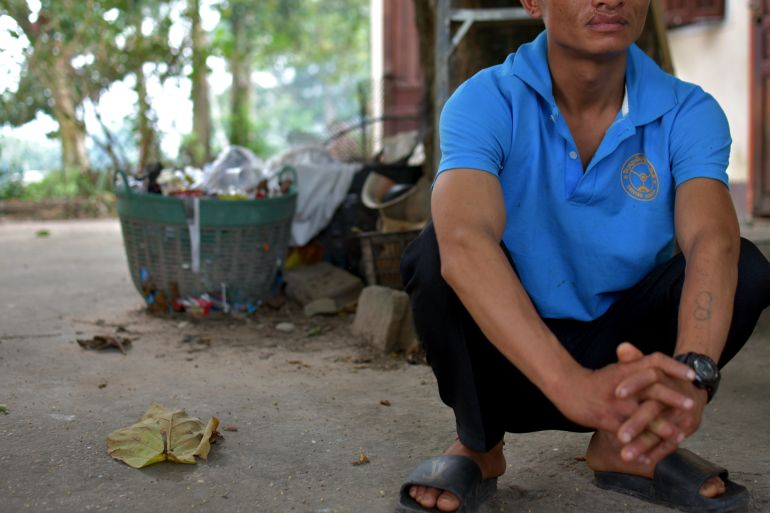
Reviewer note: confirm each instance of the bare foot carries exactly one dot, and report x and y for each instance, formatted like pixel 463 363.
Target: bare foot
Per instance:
pixel 603 455
pixel 492 464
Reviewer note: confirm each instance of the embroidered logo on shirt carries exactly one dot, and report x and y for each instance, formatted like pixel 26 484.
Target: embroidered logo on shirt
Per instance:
pixel 639 179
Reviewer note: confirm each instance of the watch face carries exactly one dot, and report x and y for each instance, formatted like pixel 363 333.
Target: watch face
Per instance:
pixel 704 369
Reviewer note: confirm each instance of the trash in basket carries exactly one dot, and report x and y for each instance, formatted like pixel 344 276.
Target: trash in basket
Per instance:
pixel 241 245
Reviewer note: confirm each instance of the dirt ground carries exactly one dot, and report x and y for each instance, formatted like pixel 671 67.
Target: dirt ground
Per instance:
pixel 305 404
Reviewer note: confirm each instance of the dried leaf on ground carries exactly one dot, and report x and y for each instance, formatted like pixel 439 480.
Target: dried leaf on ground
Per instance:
pixel 385 402
pixel 101 342
pixel 161 435
pixel 363 459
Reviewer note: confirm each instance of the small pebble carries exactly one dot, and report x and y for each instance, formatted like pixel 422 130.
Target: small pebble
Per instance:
pixel 284 327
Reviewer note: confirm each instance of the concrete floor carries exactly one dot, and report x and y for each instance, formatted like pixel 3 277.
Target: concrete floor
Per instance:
pixel 305 407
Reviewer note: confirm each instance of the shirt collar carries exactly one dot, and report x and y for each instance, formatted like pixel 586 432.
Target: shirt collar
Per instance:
pixel 649 90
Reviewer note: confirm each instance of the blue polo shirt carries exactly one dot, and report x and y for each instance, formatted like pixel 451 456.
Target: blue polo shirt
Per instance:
pixel 579 239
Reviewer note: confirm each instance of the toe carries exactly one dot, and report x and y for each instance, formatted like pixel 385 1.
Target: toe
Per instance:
pixel 447 502
pixel 428 497
pixel 713 487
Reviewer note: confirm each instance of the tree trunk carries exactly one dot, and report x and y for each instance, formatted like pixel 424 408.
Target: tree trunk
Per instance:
pixel 72 130
pixel 240 68
pixel 201 146
pixel 148 148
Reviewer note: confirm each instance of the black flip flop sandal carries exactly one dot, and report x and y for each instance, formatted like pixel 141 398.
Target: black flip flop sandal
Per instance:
pixel 676 484
pixel 459 475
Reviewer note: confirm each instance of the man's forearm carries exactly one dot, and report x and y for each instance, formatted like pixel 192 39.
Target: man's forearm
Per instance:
pixel 706 305
pixel 708 233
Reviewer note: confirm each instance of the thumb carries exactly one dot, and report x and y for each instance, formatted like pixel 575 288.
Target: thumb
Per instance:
pixel 627 353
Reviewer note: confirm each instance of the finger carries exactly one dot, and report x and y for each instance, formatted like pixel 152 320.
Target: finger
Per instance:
pixel 638 381
pixel 639 446
pixel 662 450
pixel 665 430
pixel 638 422
pixel 642 386
pixel 670 366
pixel 627 353
pixel 669 396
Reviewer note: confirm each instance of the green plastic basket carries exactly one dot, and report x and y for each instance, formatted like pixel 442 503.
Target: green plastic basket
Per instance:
pixel 242 243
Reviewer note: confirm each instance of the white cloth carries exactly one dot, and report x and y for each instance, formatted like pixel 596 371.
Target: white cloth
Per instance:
pixel 322 184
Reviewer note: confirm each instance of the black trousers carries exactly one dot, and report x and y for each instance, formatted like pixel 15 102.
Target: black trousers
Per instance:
pixel 490 396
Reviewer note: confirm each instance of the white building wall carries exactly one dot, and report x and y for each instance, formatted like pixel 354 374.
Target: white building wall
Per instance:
pixel 716 57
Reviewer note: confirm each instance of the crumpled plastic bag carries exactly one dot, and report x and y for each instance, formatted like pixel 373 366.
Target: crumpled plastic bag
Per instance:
pixel 236 172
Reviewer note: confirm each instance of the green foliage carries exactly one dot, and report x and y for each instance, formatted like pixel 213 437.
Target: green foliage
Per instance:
pixel 57 184
pixel 77 48
pixel 318 51
pixel 11 189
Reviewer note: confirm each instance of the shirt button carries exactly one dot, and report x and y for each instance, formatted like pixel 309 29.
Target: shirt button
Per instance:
pixel 573 155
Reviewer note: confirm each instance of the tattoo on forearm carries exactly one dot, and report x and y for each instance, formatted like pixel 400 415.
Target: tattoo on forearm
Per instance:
pixel 703 306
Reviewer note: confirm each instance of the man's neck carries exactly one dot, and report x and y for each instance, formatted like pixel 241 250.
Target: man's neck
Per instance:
pixel 587 86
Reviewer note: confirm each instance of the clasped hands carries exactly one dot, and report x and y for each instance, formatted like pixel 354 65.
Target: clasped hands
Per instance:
pixel 649 401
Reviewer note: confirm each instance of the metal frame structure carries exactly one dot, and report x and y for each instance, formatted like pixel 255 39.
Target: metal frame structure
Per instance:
pixel 446 43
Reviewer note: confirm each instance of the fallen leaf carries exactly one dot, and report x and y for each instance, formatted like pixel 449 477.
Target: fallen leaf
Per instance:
pixel 3 409
pixel 102 385
pixel 298 362
pixel 42 233
pixel 229 427
pixel 161 435
pixel 101 342
pixel 363 459
pixel 385 402
pixel 316 331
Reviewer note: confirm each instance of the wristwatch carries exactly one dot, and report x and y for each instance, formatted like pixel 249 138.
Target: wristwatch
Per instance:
pixel 707 373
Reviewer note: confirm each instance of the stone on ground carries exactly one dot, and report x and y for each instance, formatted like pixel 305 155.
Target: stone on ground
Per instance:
pixel 384 319
pixel 322 280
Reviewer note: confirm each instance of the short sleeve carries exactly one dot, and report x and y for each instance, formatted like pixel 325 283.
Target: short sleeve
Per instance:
pixel 475 126
pixel 700 140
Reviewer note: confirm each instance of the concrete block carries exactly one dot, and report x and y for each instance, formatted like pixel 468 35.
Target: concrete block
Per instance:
pixel 323 306
pixel 322 280
pixel 384 319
